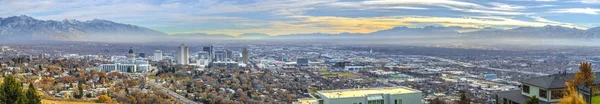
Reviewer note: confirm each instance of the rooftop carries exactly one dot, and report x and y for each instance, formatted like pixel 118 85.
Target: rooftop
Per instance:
pixel 363 92
pixel 516 96
pixel 307 101
pixel 555 80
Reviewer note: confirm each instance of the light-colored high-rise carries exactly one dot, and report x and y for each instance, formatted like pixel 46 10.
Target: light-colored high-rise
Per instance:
pixel 220 56
pixel 157 55
pixel 245 55
pixel 183 55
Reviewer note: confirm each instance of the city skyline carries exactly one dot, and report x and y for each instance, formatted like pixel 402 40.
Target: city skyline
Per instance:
pixel 302 17
pixel 300 51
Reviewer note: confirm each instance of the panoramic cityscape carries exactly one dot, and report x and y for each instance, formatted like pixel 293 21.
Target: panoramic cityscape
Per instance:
pixel 299 52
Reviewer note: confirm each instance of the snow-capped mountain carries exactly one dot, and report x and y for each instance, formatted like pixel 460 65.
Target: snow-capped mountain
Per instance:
pixel 538 32
pixel 28 28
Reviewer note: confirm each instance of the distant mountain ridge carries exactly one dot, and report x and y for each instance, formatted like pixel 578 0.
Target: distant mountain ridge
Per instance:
pixel 28 28
pixel 547 31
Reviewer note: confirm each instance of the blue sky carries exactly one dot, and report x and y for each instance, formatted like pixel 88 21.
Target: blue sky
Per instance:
pixel 280 17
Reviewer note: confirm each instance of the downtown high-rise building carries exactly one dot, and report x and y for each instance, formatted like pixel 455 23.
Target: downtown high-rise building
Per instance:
pixel 157 55
pixel 183 55
pixel 209 50
pixel 245 55
pixel 220 56
pixel 229 55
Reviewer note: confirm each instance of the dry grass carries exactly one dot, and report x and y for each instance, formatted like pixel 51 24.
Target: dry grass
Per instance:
pixel 346 74
pixel 46 101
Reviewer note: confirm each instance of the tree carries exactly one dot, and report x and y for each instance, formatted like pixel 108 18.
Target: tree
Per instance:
pixel 532 100
pixel 79 93
pixel 464 99
pixel 585 75
pixel 104 99
pixel 438 101
pixel 571 95
pixel 68 79
pixel 11 92
pixel 32 95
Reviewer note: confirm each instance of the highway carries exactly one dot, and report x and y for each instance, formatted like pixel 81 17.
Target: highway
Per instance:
pixel 173 94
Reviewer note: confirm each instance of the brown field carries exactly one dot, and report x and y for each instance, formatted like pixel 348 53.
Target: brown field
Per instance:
pixel 46 101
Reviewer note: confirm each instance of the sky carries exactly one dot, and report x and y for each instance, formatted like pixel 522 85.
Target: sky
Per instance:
pixel 281 17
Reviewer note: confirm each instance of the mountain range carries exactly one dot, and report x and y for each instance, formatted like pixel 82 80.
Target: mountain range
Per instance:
pixel 28 28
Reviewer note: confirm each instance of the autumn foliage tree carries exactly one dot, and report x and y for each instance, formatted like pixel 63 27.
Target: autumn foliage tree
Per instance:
pixel 584 76
pixel 104 99
pixel 571 95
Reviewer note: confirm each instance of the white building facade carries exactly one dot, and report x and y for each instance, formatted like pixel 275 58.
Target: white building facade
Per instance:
pixel 183 55
pixel 157 55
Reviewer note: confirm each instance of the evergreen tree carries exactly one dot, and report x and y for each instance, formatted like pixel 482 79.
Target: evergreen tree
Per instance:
pixel 79 94
pixel 11 92
pixel 532 100
pixel 32 95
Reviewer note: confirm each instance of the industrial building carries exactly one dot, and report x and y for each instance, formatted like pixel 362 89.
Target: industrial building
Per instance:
pixel 384 95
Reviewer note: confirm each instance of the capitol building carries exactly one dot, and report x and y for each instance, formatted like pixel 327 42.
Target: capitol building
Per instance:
pixel 128 64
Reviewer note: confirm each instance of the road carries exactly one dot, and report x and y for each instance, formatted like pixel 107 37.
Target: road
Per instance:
pixel 173 94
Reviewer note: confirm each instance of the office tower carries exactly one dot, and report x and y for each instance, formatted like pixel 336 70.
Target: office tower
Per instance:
pixel 229 55
pixel 220 56
pixel 209 50
pixel 183 55
pixel 202 59
pixel 245 55
pixel 157 55
pixel 203 55
pixel 142 55
pixel 42 56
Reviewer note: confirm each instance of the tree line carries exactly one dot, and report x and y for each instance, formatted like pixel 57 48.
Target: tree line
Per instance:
pixel 11 92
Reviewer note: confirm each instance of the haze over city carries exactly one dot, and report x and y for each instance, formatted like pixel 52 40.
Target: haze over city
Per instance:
pixel 299 51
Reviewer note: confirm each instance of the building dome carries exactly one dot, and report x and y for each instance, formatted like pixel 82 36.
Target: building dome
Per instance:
pixel 130 49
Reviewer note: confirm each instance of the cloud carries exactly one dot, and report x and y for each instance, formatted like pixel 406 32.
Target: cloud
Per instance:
pixel 543 20
pixel 278 17
pixel 589 1
pixel 422 2
pixel 495 9
pixel 334 25
pixel 488 12
pixel 592 11
pixel 506 7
